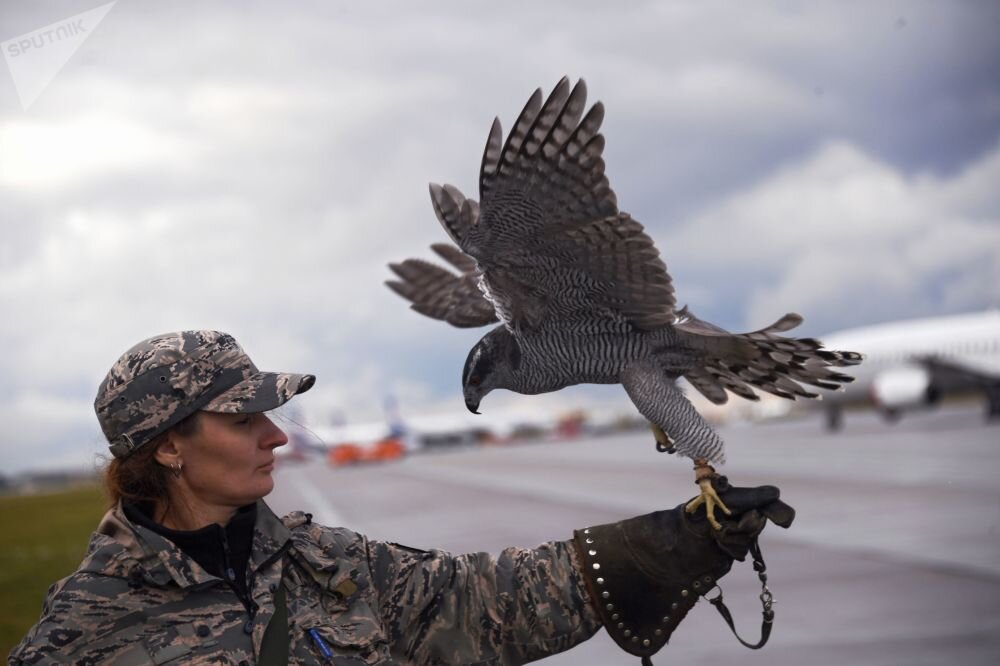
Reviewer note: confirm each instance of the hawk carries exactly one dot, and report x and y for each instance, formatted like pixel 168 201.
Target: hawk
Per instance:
pixel 581 294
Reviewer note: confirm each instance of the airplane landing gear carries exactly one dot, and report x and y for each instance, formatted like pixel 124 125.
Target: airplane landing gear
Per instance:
pixel 834 418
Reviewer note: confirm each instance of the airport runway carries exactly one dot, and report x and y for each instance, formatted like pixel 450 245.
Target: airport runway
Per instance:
pixel 894 557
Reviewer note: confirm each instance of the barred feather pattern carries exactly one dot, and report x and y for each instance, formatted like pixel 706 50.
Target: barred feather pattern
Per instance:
pixel 657 398
pixel 761 359
pixel 647 364
pixel 585 352
pixel 549 238
pixel 438 293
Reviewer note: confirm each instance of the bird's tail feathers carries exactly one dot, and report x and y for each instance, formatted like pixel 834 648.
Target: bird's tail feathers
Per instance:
pixel 761 359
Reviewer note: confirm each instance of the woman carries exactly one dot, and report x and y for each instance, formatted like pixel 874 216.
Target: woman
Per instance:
pixel 191 566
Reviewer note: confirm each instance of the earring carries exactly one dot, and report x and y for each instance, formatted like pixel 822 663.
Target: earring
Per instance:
pixel 175 469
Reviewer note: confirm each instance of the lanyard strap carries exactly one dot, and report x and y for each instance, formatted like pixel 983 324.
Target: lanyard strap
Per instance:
pixel 766 600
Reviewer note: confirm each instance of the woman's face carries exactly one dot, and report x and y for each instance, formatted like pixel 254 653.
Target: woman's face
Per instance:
pixel 229 458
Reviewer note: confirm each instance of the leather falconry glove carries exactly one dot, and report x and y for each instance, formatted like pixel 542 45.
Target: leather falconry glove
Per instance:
pixel 646 573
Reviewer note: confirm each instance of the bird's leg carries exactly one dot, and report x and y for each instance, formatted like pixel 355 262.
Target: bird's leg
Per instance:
pixel 703 475
pixel 663 442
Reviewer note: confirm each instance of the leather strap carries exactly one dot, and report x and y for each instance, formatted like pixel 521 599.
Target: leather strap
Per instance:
pixel 274 645
pixel 766 600
pixel 765 627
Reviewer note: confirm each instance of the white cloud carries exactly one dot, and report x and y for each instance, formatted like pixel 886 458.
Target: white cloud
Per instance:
pixel 703 94
pixel 844 238
pixel 49 155
pixel 44 430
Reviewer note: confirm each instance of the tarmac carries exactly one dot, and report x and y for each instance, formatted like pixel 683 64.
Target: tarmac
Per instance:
pixel 894 557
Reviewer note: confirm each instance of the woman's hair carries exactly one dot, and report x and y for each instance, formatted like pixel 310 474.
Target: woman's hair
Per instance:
pixel 139 477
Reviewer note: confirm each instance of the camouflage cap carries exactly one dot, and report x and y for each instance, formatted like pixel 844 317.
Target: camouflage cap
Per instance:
pixel 166 378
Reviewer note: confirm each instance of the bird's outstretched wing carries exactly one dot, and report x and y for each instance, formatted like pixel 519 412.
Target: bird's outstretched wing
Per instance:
pixel 439 293
pixel 548 236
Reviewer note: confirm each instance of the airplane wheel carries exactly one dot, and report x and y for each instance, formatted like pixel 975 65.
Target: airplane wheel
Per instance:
pixel 834 419
pixel 993 405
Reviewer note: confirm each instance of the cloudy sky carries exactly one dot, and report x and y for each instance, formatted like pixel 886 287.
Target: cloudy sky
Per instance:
pixel 252 167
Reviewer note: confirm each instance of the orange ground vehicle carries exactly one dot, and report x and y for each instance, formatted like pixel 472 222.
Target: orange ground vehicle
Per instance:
pixel 344 454
pixel 389 448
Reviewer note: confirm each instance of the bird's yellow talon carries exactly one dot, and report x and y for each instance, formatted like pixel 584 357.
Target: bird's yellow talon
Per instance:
pixel 707 496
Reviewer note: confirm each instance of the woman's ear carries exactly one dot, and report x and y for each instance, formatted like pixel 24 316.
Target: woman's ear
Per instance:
pixel 167 453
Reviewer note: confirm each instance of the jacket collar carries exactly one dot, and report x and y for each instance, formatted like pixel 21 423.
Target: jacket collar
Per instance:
pixel 160 561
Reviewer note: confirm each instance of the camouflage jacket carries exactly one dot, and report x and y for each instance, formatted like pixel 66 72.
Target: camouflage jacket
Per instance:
pixel 138 599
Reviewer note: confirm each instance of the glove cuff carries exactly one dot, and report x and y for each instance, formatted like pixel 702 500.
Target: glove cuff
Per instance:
pixel 642 581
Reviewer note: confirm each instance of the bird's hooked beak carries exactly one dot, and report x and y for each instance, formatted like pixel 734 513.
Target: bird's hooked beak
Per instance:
pixel 473 406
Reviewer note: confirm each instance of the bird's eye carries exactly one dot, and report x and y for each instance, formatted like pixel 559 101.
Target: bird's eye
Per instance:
pixel 475 380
